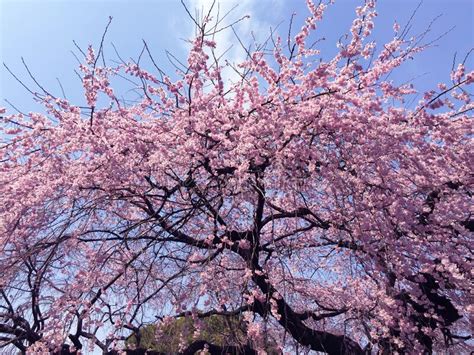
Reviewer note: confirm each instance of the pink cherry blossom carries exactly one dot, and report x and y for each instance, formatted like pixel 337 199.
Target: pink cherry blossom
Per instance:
pixel 311 201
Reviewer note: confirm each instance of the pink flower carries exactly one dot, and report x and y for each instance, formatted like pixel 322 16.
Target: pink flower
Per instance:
pixel 396 27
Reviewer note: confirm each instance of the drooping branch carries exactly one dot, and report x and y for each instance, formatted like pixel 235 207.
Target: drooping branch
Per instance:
pixel 292 321
pixel 218 350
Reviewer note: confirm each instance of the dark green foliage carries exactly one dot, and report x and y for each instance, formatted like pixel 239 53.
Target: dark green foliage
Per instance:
pixel 217 330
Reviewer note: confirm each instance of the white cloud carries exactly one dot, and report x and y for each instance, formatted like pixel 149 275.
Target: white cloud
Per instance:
pixel 227 42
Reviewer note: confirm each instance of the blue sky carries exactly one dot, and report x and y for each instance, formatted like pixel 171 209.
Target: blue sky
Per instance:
pixel 42 31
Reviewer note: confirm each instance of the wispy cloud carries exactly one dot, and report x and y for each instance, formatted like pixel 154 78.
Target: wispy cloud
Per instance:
pixel 256 26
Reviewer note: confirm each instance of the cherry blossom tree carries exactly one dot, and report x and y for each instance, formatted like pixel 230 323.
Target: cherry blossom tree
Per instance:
pixel 306 201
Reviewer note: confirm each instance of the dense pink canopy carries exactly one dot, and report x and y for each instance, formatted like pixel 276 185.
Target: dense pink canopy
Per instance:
pixel 307 198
